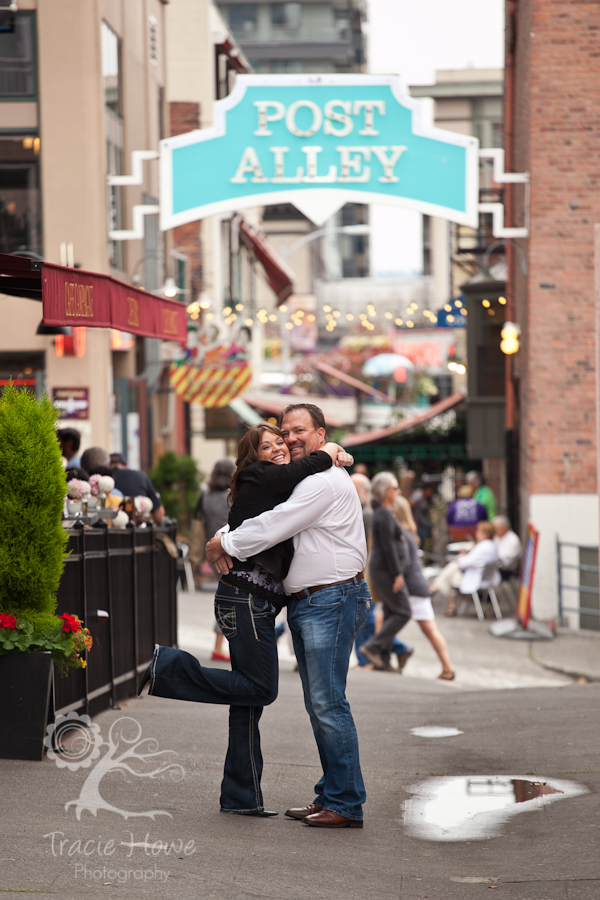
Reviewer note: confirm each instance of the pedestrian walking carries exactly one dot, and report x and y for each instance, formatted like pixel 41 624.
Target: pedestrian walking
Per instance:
pixel 247 599
pixel 418 589
pixel 331 604
pixel 399 648
pixel 212 510
pixel 389 558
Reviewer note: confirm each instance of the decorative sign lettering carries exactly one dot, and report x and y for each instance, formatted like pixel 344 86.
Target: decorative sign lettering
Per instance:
pixel 133 312
pixel 79 300
pixel 318 141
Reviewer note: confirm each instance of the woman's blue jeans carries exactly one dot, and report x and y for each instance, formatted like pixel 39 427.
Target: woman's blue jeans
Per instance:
pixel 248 623
pixel 324 626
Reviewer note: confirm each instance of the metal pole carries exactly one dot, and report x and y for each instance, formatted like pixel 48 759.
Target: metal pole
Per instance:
pixel 109 603
pixel 560 597
pixel 136 637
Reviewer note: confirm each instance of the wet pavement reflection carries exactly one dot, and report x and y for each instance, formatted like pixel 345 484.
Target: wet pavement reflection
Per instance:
pixel 473 808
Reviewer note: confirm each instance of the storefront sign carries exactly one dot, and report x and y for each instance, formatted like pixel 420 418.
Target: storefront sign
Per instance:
pixel 72 402
pixel 318 141
pixel 75 297
pixel 425 347
pixel 527 572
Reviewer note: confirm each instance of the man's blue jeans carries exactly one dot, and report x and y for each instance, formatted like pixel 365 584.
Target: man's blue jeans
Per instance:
pixel 323 626
pixel 248 624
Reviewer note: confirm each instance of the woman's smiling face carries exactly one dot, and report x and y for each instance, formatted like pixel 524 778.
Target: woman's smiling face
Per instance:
pixel 273 448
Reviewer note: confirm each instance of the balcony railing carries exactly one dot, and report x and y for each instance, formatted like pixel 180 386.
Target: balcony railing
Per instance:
pixel 304 34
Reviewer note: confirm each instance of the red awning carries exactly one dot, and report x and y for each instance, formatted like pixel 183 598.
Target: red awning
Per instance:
pixel 279 275
pixel 75 297
pixel 369 437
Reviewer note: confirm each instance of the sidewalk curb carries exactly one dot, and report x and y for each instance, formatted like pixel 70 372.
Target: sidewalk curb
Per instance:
pixel 559 671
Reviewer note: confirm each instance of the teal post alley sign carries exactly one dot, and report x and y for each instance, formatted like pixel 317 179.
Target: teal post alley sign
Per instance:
pixel 318 141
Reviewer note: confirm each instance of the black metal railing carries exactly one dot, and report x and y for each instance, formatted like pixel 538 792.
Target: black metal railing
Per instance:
pixel 122 585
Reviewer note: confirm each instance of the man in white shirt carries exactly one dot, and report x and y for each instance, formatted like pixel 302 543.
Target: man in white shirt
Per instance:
pixel 329 608
pixel 508 546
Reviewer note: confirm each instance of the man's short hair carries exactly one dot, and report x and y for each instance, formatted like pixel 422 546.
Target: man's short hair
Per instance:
pixel 94 457
pixel 117 459
pixel 474 478
pixel 69 434
pixel 316 414
pixel 502 521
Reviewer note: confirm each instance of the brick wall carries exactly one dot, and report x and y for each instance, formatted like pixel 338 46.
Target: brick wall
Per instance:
pixel 556 126
pixel 183 117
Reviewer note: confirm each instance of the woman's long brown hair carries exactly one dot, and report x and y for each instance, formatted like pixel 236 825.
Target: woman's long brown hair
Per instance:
pixel 248 453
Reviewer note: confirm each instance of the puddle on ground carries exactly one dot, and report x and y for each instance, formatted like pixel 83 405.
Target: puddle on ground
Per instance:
pixel 435 731
pixel 474 808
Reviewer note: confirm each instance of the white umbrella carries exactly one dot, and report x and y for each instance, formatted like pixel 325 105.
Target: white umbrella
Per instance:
pixel 385 364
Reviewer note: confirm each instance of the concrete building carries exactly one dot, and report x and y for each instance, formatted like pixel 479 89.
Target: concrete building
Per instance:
pixel 303 37
pixel 552 60
pixel 81 86
pixel 468 101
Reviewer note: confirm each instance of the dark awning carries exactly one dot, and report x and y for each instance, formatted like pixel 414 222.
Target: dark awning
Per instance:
pixel 75 297
pixel 279 276
pixel 369 437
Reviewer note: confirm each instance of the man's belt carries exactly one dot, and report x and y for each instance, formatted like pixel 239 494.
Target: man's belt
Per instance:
pixel 321 587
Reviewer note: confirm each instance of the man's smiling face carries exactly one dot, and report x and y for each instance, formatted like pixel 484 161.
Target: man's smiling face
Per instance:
pixel 300 434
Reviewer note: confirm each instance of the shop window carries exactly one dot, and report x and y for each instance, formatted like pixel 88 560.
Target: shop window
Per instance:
pixel 20 221
pixel 24 370
pixel 114 204
pixel 286 15
pixel 17 58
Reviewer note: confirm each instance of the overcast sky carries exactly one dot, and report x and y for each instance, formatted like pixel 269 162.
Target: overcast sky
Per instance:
pixel 413 38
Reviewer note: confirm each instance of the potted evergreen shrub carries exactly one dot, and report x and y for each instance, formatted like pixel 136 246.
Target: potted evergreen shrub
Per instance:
pixel 32 557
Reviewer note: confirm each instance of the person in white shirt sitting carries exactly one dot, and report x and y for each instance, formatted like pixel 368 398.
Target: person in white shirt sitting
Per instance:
pixel 465 573
pixel 508 545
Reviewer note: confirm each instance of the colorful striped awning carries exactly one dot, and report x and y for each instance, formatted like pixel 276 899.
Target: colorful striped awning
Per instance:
pixel 210 386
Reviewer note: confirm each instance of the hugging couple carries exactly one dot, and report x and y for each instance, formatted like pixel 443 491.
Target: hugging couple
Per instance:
pixel 295 537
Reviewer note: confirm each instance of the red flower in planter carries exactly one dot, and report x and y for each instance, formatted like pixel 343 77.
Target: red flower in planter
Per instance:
pixel 7 621
pixel 70 623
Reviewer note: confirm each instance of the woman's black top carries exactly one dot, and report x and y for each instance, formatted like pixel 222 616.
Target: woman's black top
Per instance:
pixel 416 583
pixel 262 486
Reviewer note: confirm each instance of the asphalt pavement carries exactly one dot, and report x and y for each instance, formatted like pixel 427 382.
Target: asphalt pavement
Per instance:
pixel 446 817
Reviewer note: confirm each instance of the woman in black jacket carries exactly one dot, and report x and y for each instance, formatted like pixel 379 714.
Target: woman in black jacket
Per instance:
pixel 246 603
pixel 389 558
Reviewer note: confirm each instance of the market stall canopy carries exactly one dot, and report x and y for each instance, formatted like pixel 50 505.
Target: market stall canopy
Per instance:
pixel 279 276
pixel 385 364
pixel 369 437
pixel 74 297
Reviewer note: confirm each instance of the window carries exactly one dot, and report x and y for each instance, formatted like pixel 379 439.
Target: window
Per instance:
pixel 17 64
pixel 20 220
pixel 243 18
pixel 286 15
pixel 111 69
pixel 114 204
pixel 153 39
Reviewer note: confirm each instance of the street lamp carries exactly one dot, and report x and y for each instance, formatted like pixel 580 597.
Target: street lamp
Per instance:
pixel 356 230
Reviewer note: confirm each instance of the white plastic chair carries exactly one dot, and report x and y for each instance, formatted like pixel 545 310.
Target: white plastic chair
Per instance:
pixel 487 583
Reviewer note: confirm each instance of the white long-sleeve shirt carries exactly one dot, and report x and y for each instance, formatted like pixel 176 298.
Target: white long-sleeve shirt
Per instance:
pixel 478 567
pixel 324 517
pixel 509 550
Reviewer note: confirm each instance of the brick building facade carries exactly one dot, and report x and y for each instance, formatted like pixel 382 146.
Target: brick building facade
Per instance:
pixel 553 132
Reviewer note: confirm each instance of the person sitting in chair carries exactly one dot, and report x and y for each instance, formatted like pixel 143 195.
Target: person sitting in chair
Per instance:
pixel 468 571
pixel 508 546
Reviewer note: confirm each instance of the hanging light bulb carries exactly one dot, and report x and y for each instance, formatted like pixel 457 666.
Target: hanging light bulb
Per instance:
pixel 170 289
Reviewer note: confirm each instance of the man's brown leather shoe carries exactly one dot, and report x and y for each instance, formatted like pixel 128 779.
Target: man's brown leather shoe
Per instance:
pixel 329 819
pixel 301 812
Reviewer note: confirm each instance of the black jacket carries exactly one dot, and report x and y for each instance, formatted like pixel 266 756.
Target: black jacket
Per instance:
pixel 264 485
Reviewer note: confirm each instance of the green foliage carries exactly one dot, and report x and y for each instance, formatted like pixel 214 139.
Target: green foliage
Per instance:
pixel 178 481
pixel 32 491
